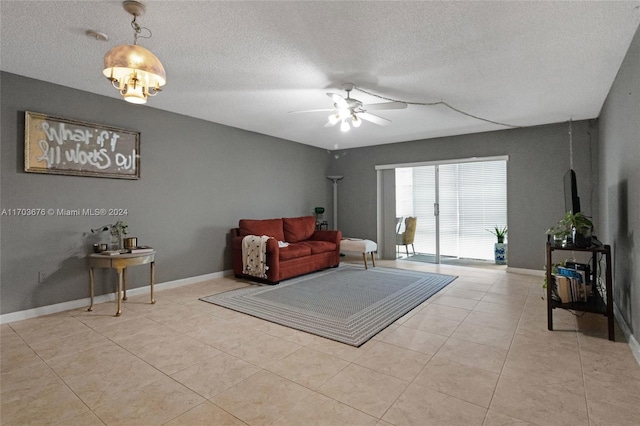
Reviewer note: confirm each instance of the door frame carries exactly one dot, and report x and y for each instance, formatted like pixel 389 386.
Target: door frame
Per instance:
pixel 382 210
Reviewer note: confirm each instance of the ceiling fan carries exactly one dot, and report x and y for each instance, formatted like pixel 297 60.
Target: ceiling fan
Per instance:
pixel 350 110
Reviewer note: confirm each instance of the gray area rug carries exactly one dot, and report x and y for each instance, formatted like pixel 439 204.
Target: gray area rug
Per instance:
pixel 348 304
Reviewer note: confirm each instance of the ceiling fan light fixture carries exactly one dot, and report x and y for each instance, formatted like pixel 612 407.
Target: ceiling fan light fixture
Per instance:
pixel 355 121
pixel 344 113
pixel 344 126
pixel 333 119
pixel 133 70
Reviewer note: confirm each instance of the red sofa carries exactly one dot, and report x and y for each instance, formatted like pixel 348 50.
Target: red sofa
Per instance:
pixel 308 250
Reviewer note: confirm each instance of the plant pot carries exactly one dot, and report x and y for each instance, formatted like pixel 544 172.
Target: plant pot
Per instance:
pixel 500 253
pixel 582 239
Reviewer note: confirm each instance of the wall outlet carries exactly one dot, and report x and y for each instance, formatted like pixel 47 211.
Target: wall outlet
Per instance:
pixel 42 276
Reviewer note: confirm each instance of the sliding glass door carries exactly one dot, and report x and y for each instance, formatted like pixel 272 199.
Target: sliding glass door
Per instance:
pixel 455 205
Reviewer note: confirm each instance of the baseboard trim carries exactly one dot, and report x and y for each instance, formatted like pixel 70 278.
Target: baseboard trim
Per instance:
pixel 523 271
pixel 633 343
pixel 75 304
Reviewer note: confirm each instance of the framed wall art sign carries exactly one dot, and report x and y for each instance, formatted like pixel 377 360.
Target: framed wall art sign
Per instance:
pixel 69 147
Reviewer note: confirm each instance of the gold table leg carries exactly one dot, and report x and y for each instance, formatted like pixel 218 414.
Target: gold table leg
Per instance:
pixel 124 284
pixel 119 289
pixel 91 288
pixel 153 275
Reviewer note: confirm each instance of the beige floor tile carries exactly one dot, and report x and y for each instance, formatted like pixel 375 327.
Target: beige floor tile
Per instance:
pixel 223 334
pixel 49 327
pixel 125 327
pixel 494 418
pixel 469 284
pixel 263 349
pixel 498 309
pixel 364 389
pixel 422 406
pixel 100 374
pixel 414 339
pixel 614 389
pixel 86 339
pixel 16 354
pixel 261 398
pixel 467 383
pixel 307 367
pixel 465 293
pixel 35 395
pixel 435 310
pixel 558 363
pixel 173 356
pixel 605 414
pixel 490 336
pixel 318 410
pixel 551 404
pixel 502 299
pixel 492 320
pixel 172 314
pixel 456 302
pixel 433 324
pixel 473 355
pixel 215 375
pixel 395 361
pixel 155 403
pixel 87 418
pixel 206 414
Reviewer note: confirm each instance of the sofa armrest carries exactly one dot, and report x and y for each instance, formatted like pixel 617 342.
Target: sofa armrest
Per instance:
pixel 272 245
pixel 273 256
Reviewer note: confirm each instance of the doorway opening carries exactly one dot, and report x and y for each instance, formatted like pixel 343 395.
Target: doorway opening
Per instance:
pixel 455 205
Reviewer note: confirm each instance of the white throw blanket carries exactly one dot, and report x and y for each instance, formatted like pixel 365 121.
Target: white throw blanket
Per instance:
pixel 254 256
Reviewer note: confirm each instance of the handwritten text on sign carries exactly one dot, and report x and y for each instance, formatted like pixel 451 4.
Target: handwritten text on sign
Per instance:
pixel 63 146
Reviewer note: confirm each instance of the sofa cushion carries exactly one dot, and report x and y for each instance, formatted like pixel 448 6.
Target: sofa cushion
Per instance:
pixel 293 251
pixel 320 246
pixel 270 227
pixel 298 229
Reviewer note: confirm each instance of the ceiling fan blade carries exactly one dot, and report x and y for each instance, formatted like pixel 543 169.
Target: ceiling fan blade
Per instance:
pixel 338 100
pixel 374 119
pixel 330 124
pixel 310 110
pixel 385 105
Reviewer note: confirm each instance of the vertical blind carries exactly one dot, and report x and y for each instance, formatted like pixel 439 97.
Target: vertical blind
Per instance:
pixel 472 199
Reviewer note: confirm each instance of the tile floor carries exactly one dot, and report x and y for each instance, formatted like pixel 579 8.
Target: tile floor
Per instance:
pixel 477 353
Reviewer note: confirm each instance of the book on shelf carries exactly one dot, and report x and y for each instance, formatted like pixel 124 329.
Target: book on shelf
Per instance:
pixel 141 250
pixel 571 285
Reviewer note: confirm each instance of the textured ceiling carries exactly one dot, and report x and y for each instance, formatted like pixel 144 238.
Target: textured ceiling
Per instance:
pixel 247 64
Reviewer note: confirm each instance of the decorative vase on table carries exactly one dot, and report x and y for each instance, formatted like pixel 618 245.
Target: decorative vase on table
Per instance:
pixel 500 253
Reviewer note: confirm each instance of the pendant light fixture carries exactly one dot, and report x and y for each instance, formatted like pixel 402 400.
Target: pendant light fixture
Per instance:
pixel 133 70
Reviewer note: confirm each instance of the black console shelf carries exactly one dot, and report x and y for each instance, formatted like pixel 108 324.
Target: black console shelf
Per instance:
pixel 595 304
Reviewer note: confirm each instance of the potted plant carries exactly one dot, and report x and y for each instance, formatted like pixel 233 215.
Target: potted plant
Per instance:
pixel 580 228
pixel 500 248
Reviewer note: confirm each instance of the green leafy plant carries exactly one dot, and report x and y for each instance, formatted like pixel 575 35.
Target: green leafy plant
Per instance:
pixel 577 221
pixel 570 222
pixel 500 233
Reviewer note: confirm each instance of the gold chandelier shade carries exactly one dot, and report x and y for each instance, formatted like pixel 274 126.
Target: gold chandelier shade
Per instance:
pixel 135 71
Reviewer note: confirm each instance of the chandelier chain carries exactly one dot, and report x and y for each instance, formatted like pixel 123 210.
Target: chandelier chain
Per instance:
pixel 439 103
pixel 137 30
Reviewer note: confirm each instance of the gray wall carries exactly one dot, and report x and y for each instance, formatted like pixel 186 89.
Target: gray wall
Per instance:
pixel 197 179
pixel 619 185
pixel 538 160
